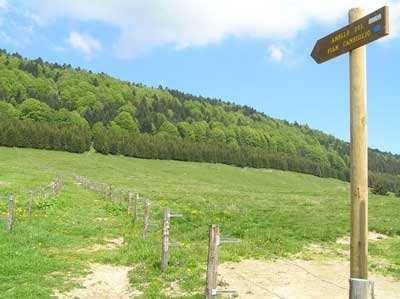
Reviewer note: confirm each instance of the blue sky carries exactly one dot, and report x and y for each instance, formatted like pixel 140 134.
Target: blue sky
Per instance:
pixel 250 52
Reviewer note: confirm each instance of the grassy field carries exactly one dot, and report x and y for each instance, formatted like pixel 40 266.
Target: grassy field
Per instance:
pixel 275 214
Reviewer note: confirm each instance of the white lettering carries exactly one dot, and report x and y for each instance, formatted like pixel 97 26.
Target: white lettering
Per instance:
pixel 375 19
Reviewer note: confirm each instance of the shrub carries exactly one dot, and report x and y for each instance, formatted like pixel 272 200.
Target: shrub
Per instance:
pixel 380 189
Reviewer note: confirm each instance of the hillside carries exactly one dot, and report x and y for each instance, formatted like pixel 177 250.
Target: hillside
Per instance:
pixel 276 215
pixel 54 106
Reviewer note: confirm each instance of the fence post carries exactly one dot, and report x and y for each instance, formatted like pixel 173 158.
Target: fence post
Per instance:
pixel 212 262
pixel 11 212
pixel 130 202
pixel 59 184
pixel 110 191
pixel 135 203
pixel 54 186
pixel 146 217
pixel 30 203
pixel 165 239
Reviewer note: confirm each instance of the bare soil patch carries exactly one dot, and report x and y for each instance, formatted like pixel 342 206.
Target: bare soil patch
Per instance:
pixel 372 236
pixel 106 244
pixel 174 290
pixel 297 279
pixel 104 282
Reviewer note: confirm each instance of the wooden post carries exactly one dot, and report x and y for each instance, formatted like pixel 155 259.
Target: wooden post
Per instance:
pixel 54 187
pixel 212 262
pixel 359 162
pixel 130 203
pixel 146 217
pixel 110 191
pixel 165 239
pixel 30 203
pixel 59 184
pixel 11 212
pixel 135 203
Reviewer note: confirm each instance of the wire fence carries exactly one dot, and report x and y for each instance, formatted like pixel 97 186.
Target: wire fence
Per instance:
pixel 153 209
pixel 35 198
pixel 138 205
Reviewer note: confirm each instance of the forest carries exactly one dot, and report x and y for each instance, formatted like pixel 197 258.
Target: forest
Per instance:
pixel 58 107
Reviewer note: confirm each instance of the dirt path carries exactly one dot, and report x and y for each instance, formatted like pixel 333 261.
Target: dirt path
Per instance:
pixel 297 279
pixel 322 275
pixel 106 244
pixel 104 281
pixel 372 237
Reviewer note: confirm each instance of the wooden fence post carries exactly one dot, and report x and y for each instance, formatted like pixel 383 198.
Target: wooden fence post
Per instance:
pixel 30 203
pixel 130 203
pixel 146 217
pixel 110 191
pixel 165 240
pixel 54 187
pixel 135 204
pixel 11 212
pixel 59 184
pixel 212 262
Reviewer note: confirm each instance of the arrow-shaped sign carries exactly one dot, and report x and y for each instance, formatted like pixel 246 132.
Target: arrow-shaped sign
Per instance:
pixel 353 36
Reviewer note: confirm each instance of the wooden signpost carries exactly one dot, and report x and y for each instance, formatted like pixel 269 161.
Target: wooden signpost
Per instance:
pixel 353 38
pixel 358 33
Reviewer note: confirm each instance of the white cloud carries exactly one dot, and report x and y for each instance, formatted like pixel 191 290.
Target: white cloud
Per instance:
pixel 275 53
pixel 3 4
pixel 84 43
pixel 144 24
pixel 395 19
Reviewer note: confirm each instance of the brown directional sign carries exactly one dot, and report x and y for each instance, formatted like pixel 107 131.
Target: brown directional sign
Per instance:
pixel 355 35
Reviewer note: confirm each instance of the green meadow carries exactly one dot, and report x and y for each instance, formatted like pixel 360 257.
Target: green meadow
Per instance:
pixel 276 214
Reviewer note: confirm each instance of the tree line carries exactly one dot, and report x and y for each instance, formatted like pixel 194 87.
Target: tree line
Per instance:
pixel 44 135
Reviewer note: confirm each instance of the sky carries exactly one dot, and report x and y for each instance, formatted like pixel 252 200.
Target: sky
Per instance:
pixel 252 52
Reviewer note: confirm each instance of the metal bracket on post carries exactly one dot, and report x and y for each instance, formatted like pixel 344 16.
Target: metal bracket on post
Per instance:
pixel 361 289
pixel 223 240
pixel 176 215
pixel 225 292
